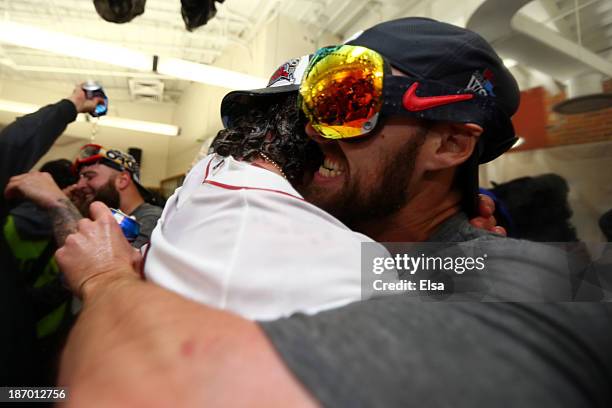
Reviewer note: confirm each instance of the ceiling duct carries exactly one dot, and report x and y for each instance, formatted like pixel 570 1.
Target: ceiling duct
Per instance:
pixel 151 90
pixel 584 94
pixel 526 40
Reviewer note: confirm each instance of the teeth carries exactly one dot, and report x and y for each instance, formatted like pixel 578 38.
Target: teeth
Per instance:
pixel 325 172
pixel 331 168
pixel 332 165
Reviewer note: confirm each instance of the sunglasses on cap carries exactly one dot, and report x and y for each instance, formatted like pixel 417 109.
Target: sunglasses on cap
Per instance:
pixel 93 153
pixel 346 89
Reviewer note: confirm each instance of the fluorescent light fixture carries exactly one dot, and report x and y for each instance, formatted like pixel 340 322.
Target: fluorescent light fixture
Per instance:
pixel 107 121
pixel 208 74
pixel 509 62
pixel 139 125
pixel 77 47
pixel 64 44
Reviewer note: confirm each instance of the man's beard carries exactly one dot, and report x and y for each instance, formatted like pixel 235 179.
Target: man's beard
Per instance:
pixel 108 194
pixel 356 206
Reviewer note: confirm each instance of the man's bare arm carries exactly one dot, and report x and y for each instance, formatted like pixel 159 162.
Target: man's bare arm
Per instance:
pixel 64 217
pixel 137 344
pixel 42 190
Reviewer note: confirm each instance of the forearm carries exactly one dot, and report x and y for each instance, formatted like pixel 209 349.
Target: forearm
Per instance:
pixel 64 217
pixel 151 347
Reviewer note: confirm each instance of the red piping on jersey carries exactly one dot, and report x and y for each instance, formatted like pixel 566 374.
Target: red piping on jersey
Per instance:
pixel 207 168
pixel 230 187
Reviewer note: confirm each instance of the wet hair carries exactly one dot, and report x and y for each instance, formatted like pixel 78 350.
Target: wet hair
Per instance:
pixel 61 171
pixel 276 129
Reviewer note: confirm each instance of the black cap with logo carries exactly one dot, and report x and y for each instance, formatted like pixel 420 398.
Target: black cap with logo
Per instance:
pixel 427 49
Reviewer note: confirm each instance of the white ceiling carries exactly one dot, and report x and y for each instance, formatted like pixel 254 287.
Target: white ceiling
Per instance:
pixel 591 26
pixel 160 30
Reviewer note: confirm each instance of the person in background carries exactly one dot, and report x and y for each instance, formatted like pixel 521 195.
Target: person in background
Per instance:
pixel 110 176
pixel 538 207
pixel 113 177
pixel 22 143
pixel 29 234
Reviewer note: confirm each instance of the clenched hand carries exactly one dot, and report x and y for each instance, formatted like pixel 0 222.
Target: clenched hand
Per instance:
pixel 98 252
pixel 36 186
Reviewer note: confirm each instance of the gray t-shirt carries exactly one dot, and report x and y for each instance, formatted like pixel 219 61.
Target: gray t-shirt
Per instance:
pixel 147 215
pixel 395 352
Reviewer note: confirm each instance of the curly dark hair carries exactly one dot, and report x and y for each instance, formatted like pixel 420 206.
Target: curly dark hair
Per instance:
pixel 275 128
pixel 61 171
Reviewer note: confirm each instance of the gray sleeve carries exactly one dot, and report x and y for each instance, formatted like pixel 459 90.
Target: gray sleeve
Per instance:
pixel 148 220
pixel 392 352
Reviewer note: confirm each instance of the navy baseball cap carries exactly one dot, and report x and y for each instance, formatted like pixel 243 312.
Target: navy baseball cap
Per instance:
pixel 427 49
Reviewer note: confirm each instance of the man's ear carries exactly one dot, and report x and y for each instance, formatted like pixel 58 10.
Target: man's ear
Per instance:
pixel 123 180
pixel 452 144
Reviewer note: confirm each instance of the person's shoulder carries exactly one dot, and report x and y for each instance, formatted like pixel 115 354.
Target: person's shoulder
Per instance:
pixel 147 210
pixel 457 228
pixel 385 339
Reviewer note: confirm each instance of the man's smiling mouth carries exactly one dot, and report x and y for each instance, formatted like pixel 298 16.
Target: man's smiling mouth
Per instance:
pixel 331 168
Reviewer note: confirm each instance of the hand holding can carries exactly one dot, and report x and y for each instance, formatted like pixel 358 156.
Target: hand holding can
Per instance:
pixel 129 225
pixel 92 90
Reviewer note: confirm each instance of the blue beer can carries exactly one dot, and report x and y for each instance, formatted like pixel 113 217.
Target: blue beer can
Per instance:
pixel 94 89
pixel 129 226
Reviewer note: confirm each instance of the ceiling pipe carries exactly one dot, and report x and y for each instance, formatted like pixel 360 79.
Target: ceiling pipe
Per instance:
pixel 523 39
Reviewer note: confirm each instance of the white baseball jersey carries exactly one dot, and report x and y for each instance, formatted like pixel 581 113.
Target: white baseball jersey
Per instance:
pixel 241 238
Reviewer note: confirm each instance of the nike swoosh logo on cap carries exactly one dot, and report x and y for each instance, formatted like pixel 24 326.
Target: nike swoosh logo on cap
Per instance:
pixel 415 103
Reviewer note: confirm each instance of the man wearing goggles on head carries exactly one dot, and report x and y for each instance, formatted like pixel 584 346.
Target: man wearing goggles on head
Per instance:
pixel 403 136
pixel 113 177
pixel 383 352
pixel 110 176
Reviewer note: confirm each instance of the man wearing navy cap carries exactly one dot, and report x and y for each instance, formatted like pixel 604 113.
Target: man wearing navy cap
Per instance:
pixel 445 107
pixel 444 104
